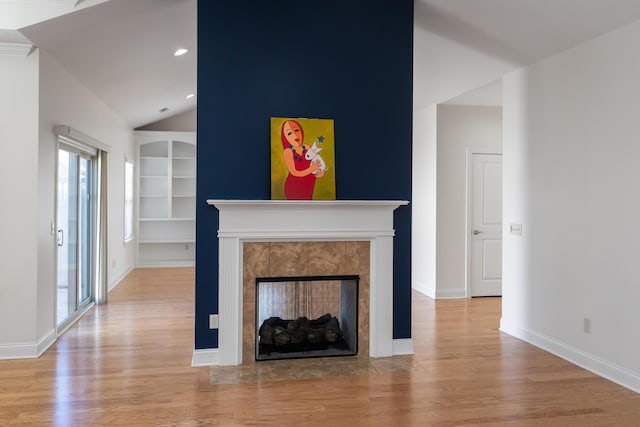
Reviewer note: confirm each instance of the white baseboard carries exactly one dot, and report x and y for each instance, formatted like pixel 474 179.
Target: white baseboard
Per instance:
pixel 424 289
pixel 120 277
pixel 28 350
pixel 598 366
pixel 46 342
pixel 402 346
pixel 451 293
pixel 205 357
pixel 166 264
pixel 18 351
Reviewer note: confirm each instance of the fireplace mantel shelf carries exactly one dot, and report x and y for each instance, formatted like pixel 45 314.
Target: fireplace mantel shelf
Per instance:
pixel 243 221
pixel 310 219
pixel 235 204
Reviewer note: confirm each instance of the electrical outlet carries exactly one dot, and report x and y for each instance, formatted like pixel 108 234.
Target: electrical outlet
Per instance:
pixel 587 325
pixel 113 263
pixel 213 321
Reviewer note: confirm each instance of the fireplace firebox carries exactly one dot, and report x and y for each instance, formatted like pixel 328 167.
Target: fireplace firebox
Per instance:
pixel 299 317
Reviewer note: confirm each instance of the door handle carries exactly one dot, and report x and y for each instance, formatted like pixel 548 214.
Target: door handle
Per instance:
pixel 476 232
pixel 60 237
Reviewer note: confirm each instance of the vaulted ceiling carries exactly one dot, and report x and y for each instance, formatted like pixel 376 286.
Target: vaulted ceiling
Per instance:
pixel 122 50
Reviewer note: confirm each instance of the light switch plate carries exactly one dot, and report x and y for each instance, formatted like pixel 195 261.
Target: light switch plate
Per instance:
pixel 515 229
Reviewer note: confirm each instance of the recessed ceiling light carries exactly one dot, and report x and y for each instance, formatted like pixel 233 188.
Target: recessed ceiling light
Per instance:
pixel 180 52
pixel 191 95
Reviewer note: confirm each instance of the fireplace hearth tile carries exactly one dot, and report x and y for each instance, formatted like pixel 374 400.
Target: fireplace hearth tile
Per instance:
pixel 301 369
pixel 396 364
pixel 232 374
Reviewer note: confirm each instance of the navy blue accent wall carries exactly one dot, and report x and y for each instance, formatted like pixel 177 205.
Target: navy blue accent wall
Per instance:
pixel 348 60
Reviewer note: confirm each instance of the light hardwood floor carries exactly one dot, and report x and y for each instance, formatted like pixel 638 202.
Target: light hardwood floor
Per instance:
pixel 127 363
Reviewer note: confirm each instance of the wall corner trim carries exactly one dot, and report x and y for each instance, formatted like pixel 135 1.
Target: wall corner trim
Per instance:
pixel 205 357
pixel 46 341
pixel 424 289
pixel 402 346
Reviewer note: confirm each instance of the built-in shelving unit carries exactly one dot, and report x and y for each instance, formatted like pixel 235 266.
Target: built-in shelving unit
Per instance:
pixel 166 198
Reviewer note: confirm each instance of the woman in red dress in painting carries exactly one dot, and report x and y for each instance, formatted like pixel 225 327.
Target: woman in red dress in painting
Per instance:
pixel 301 179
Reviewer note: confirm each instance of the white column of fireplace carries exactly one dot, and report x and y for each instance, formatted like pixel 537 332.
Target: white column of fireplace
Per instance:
pixel 318 220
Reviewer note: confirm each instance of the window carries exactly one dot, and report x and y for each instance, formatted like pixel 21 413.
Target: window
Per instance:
pixel 128 201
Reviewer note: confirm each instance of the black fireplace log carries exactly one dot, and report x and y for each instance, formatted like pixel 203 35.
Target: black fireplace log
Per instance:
pixel 299 335
pixel 299 323
pixel 332 332
pixel 315 335
pixel 266 330
pixel 281 336
pixel 279 332
pixel 321 321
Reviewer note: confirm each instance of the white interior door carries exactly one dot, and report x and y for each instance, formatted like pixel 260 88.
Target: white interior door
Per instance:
pixel 486 225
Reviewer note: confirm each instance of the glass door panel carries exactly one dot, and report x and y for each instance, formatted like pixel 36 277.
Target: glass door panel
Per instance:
pixel 75 233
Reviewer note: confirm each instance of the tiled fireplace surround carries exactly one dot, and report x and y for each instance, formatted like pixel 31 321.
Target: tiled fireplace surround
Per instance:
pixel 286 259
pixel 264 238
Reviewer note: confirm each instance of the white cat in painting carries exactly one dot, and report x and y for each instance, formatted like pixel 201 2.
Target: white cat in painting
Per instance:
pixel 313 154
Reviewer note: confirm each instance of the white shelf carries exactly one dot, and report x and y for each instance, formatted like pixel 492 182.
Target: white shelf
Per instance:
pixel 166 202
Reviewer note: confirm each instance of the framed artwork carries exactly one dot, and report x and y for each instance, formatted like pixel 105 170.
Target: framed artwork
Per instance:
pixel 302 159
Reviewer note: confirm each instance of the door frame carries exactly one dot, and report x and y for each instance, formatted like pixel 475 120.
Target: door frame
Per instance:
pixel 82 308
pixel 470 151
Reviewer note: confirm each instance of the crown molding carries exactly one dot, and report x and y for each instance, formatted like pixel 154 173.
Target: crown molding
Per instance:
pixel 15 49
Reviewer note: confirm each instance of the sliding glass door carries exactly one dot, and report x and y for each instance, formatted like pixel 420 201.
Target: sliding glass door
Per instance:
pixel 76 233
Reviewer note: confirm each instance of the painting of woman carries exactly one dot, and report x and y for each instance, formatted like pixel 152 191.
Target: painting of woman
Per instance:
pixel 302 170
pixel 302 159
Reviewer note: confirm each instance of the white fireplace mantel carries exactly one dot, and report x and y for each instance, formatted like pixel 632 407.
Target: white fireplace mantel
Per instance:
pixel 317 220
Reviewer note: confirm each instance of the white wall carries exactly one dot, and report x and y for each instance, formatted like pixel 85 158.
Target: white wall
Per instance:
pixel 18 192
pixel 572 178
pixel 38 94
pixel 459 127
pixel 64 100
pixel 183 122
pixel 423 199
pixel 444 68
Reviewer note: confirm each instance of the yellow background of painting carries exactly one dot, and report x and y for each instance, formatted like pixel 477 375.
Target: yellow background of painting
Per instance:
pixel 325 188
